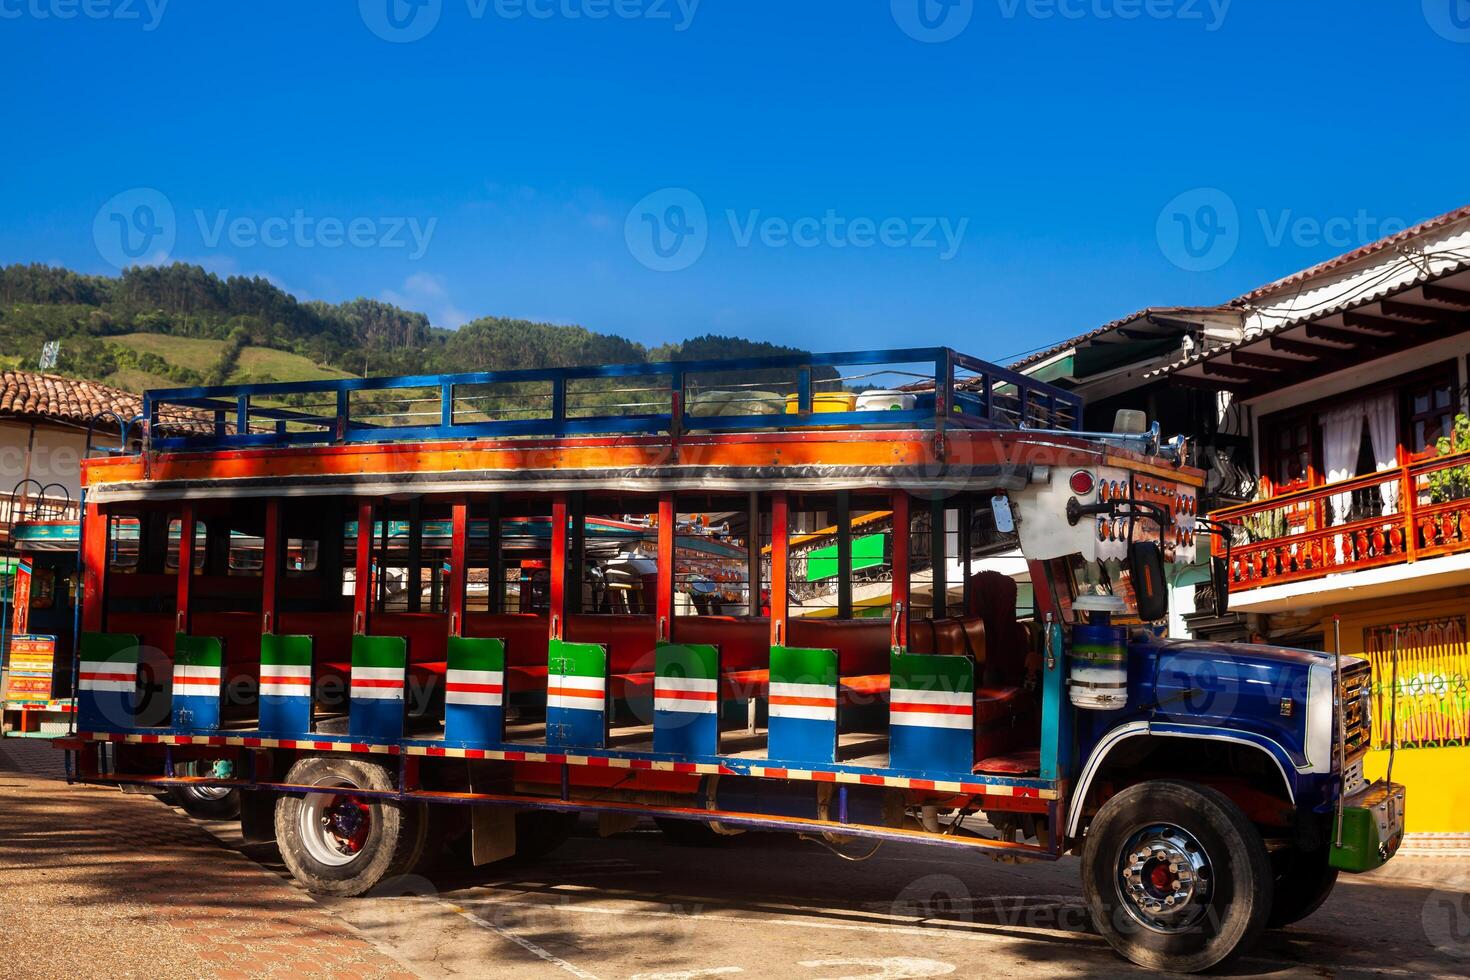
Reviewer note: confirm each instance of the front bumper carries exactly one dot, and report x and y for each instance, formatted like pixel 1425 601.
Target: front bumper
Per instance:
pixel 1372 828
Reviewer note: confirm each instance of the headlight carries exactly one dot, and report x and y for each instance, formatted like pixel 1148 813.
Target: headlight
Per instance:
pixel 1320 710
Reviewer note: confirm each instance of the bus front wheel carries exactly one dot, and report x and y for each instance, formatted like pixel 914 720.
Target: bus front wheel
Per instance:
pixel 1176 877
pixel 337 842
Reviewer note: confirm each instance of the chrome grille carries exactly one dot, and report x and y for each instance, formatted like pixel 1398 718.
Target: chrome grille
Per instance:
pixel 1357 715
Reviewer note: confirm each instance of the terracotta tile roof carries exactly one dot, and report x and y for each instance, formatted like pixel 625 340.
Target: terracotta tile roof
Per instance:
pixel 1408 234
pixel 30 395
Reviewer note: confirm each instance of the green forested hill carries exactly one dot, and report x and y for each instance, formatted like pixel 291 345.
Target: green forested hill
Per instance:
pixel 179 325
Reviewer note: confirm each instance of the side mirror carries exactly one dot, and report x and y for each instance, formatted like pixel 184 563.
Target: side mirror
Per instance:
pixel 1220 584
pixel 1150 588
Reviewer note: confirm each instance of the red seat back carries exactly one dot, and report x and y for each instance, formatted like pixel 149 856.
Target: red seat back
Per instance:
pixel 525 635
pixel 629 640
pixel 862 645
pixel 744 641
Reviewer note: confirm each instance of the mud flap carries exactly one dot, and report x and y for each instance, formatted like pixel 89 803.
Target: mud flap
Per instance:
pixel 258 815
pixel 492 833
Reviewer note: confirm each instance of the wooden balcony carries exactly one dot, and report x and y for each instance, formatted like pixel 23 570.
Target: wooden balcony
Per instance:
pixel 1406 514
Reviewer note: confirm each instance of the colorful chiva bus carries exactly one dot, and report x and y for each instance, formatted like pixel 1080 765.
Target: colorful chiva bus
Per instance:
pixel 771 594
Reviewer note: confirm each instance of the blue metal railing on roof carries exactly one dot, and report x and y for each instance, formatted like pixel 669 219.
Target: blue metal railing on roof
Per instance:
pixel 948 389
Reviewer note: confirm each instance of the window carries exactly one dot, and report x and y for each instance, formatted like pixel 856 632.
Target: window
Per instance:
pixel 1290 453
pixel 1430 411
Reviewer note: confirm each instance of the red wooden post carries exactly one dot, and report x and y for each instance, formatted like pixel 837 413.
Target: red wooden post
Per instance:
pixel 780 540
pixel 558 565
pixel 459 550
pixel 270 567
pixel 362 591
pixel 667 531
pixel 900 564
pixel 186 568
pixel 94 574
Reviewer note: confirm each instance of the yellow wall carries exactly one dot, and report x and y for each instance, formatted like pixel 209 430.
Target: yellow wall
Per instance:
pixel 1437 779
pixel 1437 784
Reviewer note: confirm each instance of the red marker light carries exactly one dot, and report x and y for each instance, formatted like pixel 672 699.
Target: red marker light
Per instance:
pixel 1081 482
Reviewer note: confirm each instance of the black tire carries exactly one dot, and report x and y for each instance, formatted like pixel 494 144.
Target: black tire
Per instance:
pixel 391 844
pixel 690 833
pixel 1303 881
pixel 201 802
pixel 1219 914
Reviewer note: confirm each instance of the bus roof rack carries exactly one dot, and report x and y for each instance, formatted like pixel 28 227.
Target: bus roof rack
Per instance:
pixel 928 387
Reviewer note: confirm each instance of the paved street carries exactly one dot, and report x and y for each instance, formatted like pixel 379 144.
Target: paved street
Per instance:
pixel 137 888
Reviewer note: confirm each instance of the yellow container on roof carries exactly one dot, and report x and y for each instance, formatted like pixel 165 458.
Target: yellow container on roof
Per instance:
pixel 824 401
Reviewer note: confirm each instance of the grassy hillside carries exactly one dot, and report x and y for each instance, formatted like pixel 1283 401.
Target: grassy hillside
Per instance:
pixel 178 325
pixel 252 363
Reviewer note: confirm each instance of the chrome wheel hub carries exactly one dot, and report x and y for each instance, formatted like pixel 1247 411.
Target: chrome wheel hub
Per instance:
pixel 334 826
pixel 1164 878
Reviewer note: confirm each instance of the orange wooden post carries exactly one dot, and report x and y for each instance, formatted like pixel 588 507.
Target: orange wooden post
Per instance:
pixel 1406 514
pixel 362 590
pixel 667 530
pixel 558 565
pixel 182 621
pixel 94 569
pixel 458 571
pixel 780 541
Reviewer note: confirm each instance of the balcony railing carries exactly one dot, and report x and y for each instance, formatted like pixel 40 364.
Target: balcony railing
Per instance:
pixel 1404 514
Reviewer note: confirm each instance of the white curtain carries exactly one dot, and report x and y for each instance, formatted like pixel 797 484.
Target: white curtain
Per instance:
pixel 1342 433
pixel 1383 429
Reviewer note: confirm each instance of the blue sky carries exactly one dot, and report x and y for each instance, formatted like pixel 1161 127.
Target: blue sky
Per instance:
pixel 989 174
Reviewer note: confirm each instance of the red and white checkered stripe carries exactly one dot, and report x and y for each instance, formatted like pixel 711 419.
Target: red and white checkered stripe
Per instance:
pixel 481 687
pixel 106 675
pixel 568 691
pixel 377 683
pixel 813 702
pixel 196 679
pixel 931 709
pixel 285 680
pixel 692 695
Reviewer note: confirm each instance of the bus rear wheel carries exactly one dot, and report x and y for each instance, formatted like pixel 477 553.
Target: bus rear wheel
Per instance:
pixel 209 802
pixel 336 842
pixel 1176 877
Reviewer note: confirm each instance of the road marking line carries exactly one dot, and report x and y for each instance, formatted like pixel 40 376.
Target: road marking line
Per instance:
pixel 520 941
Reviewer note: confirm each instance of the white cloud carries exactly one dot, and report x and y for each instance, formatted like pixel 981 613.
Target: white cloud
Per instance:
pixel 428 293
